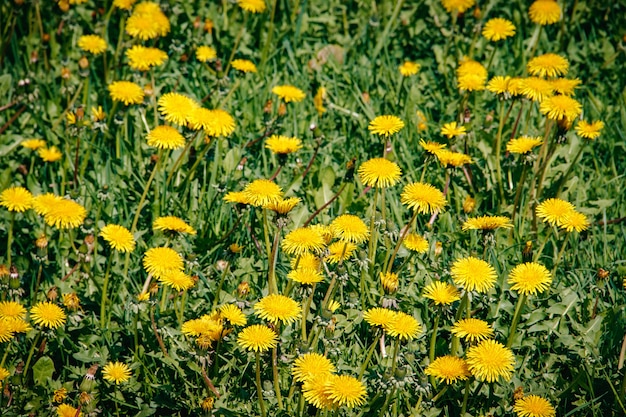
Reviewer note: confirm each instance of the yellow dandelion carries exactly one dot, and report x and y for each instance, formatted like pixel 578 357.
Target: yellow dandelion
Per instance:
pixel 18 325
pixel 487 223
pixel 490 360
pixel 451 130
pixel 147 22
pixel 345 390
pixel 409 68
pixel 303 240
pixel 340 251
pixel 554 210
pixel 6 330
pixel 471 75
pixel 4 374
pixel 257 338
pixel 254 6
pixel 535 88
pixel 92 43
pixel 499 84
pixel 416 243
pixel 548 65
pixel 124 4
pixel 318 100
pixel 43 202
pixel 214 122
pixel 118 237
pixel 16 199
pixel 458 6
pixel 454 159
pixel 165 137
pixel 289 93
pixel 243 65
pixel 277 308
pixel 160 261
pixel 205 53
pixel 64 214
pixel 305 261
pixel 379 317
pixel 176 108
pixel 588 130
pixel 281 205
pixel 33 144
pixel 314 391
pixel 385 125
pixel 237 197
pixel 46 314
pixel 233 314
pixel 565 86
pixel 349 228
pixel 423 198
pixel 530 278
pixel 441 293
pixel 126 91
pixel 544 12
pixel 66 410
pixel 473 330
pixel 498 28
pixel 515 86
pixel 575 221
pixel 143 58
pixel 533 406
pixel 116 372
pixel 432 147
pixel 449 369
pixel 51 154
pixel 11 310
pixel 283 145
pixel 310 365
pixel 379 172
pixel 403 326
pixel 261 192
pixel 390 281
pixel 176 279
pixel 172 224
pixel 473 274
pixel 523 144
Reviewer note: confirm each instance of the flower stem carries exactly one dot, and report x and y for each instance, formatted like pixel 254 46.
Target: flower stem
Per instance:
pixel 236 44
pixel 271 276
pixel 105 286
pixel 258 384
pixel 305 313
pixel 400 239
pixel 10 239
pixel 219 286
pixel 560 254
pixel 465 397
pixel 268 40
pixel 30 354
pixel 368 357
pixel 279 398
pixel 518 312
pixel 498 146
pixel 433 340
pixel 394 360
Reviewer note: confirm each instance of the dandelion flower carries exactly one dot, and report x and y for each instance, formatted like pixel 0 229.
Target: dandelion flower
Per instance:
pixel 533 406
pixel 261 192
pixel 441 293
pixel 289 93
pixel 575 221
pixel 554 210
pixel 66 410
pixel 565 86
pixel 92 43
pixel 305 261
pixel 243 65
pixel 118 237
pixel 65 214
pixel 432 147
pixel 176 108
pixel 126 91
pixel 176 279
pixel 473 274
pixel 18 325
pixel 544 12
pixel 43 202
pixel 345 390
pixel 379 317
pixel 160 261
pixel 282 205
pixel 515 86
pixel 403 326
pixel 423 198
pixel 237 197
pixel 523 144
pixel 277 308
pixel 254 6
pixel 33 144
pixel 451 130
pixel 17 199
pixel 455 159
pixel 487 223
pixel 459 6
pixel 283 145
pixel 205 53
pixel 499 84
pixel 314 391
pixel 147 22
pixel 471 75
pixel 379 172
pixel 349 228
pixel 548 65
pixel 51 154
pixel 303 240
pixel 498 28
pixel 257 338
pixel 415 243
pixel 233 314
pixel 209 326
pixel 385 125
pixel 473 330
pixel 310 365
pixel 4 374
pixel 530 278
pixel 143 58
pixel 449 369
pixel 409 68
pixel 124 4
pixel 172 224
pixel 116 372
pixel 390 281
pixel 6 331
pixel 490 360
pixel 305 276
pixel 214 122
pixel 47 315
pixel 340 252
pixel 535 88
pixel 588 130
pixel 318 100
pixel 11 310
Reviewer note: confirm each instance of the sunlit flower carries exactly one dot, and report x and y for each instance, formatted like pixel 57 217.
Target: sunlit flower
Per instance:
pixel 379 317
pixel 124 4
pixel 416 243
pixel 176 107
pixel 281 205
pixel 459 6
pixel 303 240
pixel 575 221
pixel 471 75
pixel 340 251
pixel 523 144
pixel 441 293
pixel 318 100
pixel 345 390
pixel 565 86
pixel 490 360
pixel 403 326
pixel 277 308
pixel 314 391
pixel 160 261
pixel 6 331
pixel 535 88
pixel 473 330
pixel 116 372
pixel 254 6
pixel 64 214
pixel 309 365
pixel 473 274
pixel 498 28
pixel 51 154
pixel 305 261
pixel 92 43
pixel 349 228
pixel 143 58
pixel 554 210
pixel 450 158
pixel 233 314
pixel 147 22
pixel 499 84
pixel 451 130
pixel 11 310
pixel 214 122
pixel 432 147
pixel 487 223
pixel 261 192
pixel 409 68
pixel 289 93
pixel 238 197
pixel 379 172
pixel 533 406
pixel 4 374
pixel 548 65
pixel 172 224
pixel 588 130
pixel 66 410
pixel 176 279
pixel 283 145
pixel 118 237
pixel 47 314
pixel 205 53
pixel 544 12
pixel 244 65
pixel 126 91
pixel 165 137
pixel 449 369
pixel 33 144
pixel 390 281
pixel 305 276
pixel 385 125
pixel 423 198
pixel 257 338
pixel 530 278
pixel 17 199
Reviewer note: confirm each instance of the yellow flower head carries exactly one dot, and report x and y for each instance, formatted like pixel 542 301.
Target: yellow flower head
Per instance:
pixel 403 326
pixel 432 147
pixel 283 145
pixel 118 237
pixel 176 108
pixel 33 144
pixel 310 365
pixel 588 130
pixel 441 293
pixel 239 197
pixel 554 211
pixel 165 137
pixel 257 338
pixel 261 192
pixel 416 243
pixel 451 130
pixel 176 279
pixel 471 75
pixel 533 406
pixel 423 198
pixel 205 53
pixel 385 125
pixel 390 281
pixel 11 310
pixel 303 240
pixel 379 317
pixel 544 12
pixel 345 390
pixel 126 91
pixel 160 261
pixel 499 85
pixel 523 144
pixel 574 221
pixel 66 410
pixel 277 308
pixel 281 205
pixel 487 223
pixel 349 228
pixel 548 65
pixel 233 314
pixel 47 315
pixel 289 93
pixel 409 68
pixel 143 58
pixel 379 172
pixel 530 278
pixel 17 199
pixel 305 276
pixel 490 360
pixel 64 214
pixel 51 154
pixel 449 369
pixel 214 122
pixel 473 274
pixel 173 224
pixel 340 251
pixel 147 22
pixel 498 28
pixel 535 88
pixel 473 330
pixel 92 43
pixel 565 86
pixel 243 65
pixel 116 372
pixel 314 391
pixel 454 159
pixel 254 6
pixel 458 6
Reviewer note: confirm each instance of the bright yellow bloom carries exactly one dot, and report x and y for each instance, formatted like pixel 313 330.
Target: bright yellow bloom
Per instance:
pixel 473 330
pixel 33 144
pixel 530 278
pixel 487 223
pixel 92 43
pixel 173 224
pixel 588 130
pixel 116 372
pixel 459 6
pixel 282 145
pixel 554 211
pixel 126 91
pixel 177 280
pixel 535 88
pixel 143 58
pixel 257 338
pixel 533 406
pixel 415 243
pixel 455 159
pixel 423 198
pixel 64 214
pixel 244 65
pixel 498 28
pixel 254 6
pixel 441 293
pixel 409 68
pixel 165 137
pixel 379 172
pixel 449 369
pixel 544 12
pixel 233 314
pixel 160 261
pixel 214 122
pixel 523 144
pixel 473 274
pixel 499 84
pixel 305 276
pixel 565 86
pixel 574 221
pixel 490 360
pixel 205 53
pixel 345 390
pixel 340 251
pixel 281 205
pixel 310 365
pixel 147 22
pixel 47 315
pixel 451 130
pixel 548 65
pixel 176 108
pixel 17 199
pixel 471 75
pixel 118 237
pixel 261 192
pixel 385 125
pixel 349 228
pixel 403 326
pixel 379 317
pixel 289 93
pixel 51 154
pixel 390 281
pixel 277 308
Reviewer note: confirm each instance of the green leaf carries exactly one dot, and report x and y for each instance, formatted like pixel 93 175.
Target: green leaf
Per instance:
pixel 43 370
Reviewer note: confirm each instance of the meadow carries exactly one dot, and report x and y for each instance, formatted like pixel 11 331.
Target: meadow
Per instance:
pixel 312 208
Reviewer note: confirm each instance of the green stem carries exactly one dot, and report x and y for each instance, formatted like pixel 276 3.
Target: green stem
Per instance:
pixel 271 279
pixel 164 294
pixel 368 357
pixel 465 397
pixel 440 393
pixel 180 159
pixel 30 354
pixel 259 388
pixel 219 286
pixel 105 286
pixel 400 239
pixel 279 398
pixel 6 353
pixel 498 150
pixel 10 239
pixel 543 245
pixel 462 306
pixel 516 316
pixel 329 291
pixel 560 254
pixel 433 340
pixel 518 194
pixel 268 40
pixel 394 360
pixel 236 44
pixel 571 166
pixel 305 313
